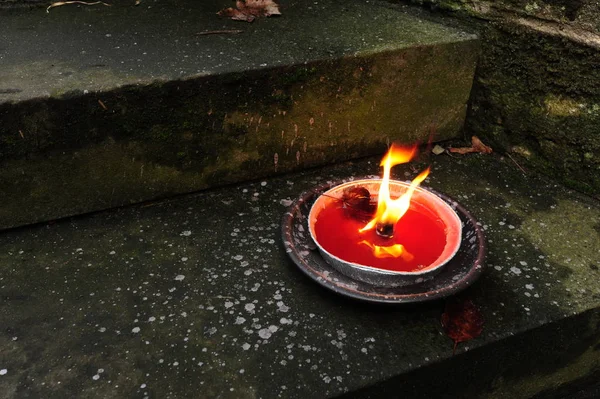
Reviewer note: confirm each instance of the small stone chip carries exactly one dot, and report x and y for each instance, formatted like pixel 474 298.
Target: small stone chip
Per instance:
pixel 438 149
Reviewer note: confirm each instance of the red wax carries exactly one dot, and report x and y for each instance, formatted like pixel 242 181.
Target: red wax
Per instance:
pixel 420 231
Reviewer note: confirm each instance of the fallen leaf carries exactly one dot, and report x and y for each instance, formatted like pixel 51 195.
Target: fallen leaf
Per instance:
pixel 249 10
pixel 438 149
pixel 462 321
pixel 476 146
pixel 479 146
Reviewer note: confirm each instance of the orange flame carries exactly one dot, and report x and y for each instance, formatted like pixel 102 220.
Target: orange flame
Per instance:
pixel 389 210
pixel 393 251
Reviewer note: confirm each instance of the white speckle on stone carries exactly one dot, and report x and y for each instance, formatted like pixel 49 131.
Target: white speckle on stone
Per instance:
pixel 186 233
pixel 283 320
pixel 238 257
pixel 112 253
pixel 265 333
pixel 135 330
pixel 498 268
pixel 286 202
pixel 523 263
pixel 239 320
pixel 3 371
pixel 151 318
pixel 263 183
pixel 143 386
pixel 282 307
pixel 246 346
pixel 179 277
pixel 515 270
pixel 529 286
pixel 249 307
pixel 96 377
pixel 228 304
pixel 184 259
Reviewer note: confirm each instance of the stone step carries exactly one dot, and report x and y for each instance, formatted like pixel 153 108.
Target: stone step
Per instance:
pixel 107 106
pixel 196 297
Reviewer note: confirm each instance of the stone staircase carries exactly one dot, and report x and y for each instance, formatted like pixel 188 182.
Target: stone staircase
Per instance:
pixel 193 295
pixel 107 106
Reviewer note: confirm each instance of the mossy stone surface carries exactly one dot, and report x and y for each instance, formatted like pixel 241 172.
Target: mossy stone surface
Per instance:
pixel 538 97
pixel 155 120
pixel 536 93
pixel 197 297
pixel 581 14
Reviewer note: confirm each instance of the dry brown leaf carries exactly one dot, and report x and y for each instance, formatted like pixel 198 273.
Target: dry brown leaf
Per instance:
pixel 249 10
pixel 476 146
pixel 462 321
pixel 479 146
pixel 461 150
pixel 85 3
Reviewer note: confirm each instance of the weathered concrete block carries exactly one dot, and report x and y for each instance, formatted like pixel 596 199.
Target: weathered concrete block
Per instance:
pixel 196 297
pixel 580 14
pixel 536 92
pixel 93 125
pixel 538 96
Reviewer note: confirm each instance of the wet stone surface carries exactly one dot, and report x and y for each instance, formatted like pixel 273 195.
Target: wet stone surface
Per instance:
pixel 196 296
pixel 72 48
pixel 102 107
